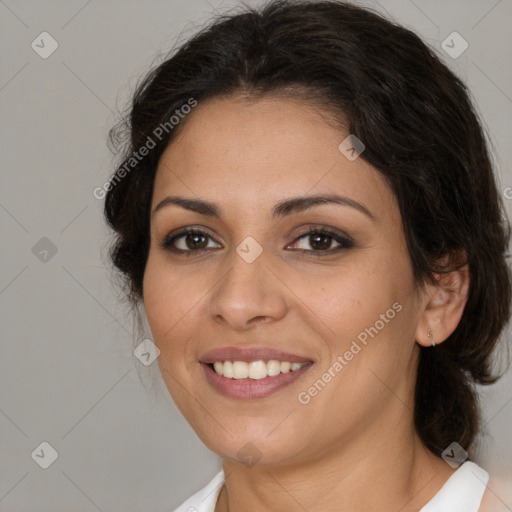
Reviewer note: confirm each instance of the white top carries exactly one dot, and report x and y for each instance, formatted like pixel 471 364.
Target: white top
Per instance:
pixel 462 492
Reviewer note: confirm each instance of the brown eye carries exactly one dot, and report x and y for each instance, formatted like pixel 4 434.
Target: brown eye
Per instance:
pixel 196 241
pixel 318 241
pixel 188 241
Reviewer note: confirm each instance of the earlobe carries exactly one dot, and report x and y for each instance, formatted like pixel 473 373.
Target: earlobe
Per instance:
pixel 444 305
pixel 430 336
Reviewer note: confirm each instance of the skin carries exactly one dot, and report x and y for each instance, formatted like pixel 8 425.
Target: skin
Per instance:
pixel 358 432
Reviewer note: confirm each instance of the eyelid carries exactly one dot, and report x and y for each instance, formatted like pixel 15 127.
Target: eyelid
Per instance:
pixel 345 241
pixel 321 228
pixel 170 238
pixel 340 237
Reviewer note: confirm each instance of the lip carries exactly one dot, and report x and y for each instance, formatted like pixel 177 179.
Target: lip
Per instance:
pixel 249 354
pixel 251 388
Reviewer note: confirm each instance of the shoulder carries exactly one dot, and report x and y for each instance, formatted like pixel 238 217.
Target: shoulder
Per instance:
pixel 205 499
pixel 462 492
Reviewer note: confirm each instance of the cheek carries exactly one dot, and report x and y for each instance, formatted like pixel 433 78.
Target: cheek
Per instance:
pixel 364 311
pixel 350 297
pixel 169 298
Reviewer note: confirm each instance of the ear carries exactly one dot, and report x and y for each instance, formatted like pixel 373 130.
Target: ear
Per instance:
pixel 444 304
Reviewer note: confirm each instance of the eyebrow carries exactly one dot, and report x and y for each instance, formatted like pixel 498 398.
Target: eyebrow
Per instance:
pixel 281 209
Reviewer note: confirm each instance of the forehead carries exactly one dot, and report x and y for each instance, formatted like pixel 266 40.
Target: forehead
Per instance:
pixel 254 153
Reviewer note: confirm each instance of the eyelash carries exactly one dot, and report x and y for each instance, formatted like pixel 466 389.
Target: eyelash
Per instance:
pixel 344 241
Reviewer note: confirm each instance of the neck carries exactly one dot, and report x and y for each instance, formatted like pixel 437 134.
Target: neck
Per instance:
pixel 401 473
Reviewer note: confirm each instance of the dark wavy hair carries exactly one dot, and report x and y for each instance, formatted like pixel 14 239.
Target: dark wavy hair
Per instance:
pixel 420 130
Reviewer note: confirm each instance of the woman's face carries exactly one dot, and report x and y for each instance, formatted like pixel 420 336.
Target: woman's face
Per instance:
pixel 345 301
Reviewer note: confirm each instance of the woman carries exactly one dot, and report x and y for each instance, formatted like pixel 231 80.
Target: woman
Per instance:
pixel 308 213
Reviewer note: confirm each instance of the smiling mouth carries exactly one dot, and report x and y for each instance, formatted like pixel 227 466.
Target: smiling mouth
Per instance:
pixel 255 370
pixel 260 385
pixel 252 371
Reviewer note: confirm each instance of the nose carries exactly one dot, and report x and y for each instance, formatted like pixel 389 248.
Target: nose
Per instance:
pixel 247 295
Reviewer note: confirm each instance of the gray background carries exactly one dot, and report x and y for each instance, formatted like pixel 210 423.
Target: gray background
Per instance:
pixel 68 375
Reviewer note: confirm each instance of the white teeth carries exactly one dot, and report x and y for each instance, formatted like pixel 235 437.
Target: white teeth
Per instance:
pixel 240 370
pixel 273 367
pixel 226 369
pixel 255 369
